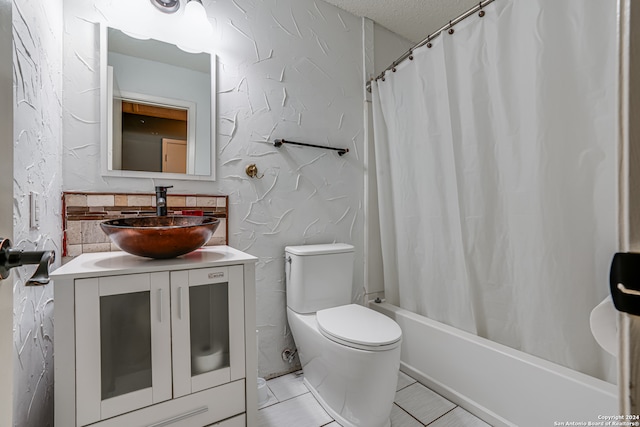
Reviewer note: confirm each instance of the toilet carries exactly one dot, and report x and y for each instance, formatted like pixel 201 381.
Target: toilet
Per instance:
pixel 350 354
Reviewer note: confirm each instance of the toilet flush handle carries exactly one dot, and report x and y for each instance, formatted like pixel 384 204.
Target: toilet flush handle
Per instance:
pixel 287 267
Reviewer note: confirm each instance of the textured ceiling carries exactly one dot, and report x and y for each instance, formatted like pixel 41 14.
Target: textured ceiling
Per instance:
pixel 412 19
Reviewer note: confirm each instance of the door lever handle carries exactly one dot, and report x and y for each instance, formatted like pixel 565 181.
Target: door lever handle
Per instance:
pixel 624 282
pixel 627 291
pixel 11 258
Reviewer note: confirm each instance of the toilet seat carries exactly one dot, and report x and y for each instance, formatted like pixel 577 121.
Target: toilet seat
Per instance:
pixel 356 326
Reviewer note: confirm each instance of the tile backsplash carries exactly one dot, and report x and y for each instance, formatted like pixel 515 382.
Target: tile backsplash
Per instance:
pixel 83 213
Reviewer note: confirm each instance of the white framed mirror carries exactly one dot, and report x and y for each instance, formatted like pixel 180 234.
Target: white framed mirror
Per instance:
pixel 157 107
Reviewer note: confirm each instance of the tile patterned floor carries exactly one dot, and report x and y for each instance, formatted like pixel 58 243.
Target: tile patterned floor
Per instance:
pixel 291 404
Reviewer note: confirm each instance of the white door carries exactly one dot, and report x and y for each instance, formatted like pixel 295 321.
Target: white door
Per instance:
pixel 629 196
pixel 6 212
pixel 174 155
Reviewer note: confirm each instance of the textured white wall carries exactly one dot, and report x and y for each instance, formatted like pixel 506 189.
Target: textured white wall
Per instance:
pixel 37 62
pixel 287 69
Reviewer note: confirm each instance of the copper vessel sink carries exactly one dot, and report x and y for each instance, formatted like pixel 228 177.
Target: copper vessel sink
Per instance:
pixel 160 236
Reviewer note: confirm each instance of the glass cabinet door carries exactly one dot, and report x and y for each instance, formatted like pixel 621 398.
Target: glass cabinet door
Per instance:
pixel 208 328
pixel 125 343
pixel 123 358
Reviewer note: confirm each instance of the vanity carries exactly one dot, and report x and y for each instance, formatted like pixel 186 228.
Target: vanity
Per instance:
pixel 142 342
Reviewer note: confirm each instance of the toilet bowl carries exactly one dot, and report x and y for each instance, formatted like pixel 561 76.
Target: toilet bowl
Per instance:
pixel 350 354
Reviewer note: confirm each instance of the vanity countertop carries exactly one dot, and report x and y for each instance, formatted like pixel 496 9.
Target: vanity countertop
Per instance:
pixel 116 263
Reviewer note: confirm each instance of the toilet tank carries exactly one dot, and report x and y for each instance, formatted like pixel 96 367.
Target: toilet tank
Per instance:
pixel 318 276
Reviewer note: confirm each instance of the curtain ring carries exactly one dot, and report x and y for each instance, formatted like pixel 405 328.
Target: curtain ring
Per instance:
pixel 411 56
pixel 450 28
pixel 481 13
pixel 429 42
pixel 382 76
pixel 393 67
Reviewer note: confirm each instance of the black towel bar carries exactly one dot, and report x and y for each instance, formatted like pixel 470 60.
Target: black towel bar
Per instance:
pixel 279 142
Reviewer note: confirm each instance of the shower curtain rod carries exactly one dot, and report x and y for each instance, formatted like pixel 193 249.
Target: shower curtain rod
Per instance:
pixel 449 27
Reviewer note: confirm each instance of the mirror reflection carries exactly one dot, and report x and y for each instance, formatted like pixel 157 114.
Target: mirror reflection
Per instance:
pixel 158 108
pixel 152 138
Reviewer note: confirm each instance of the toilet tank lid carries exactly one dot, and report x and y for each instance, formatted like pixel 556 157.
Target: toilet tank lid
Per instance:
pixel 330 248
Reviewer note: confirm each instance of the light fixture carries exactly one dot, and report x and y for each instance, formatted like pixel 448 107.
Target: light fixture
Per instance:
pixel 192 32
pixel 195 10
pixel 166 6
pixel 197 32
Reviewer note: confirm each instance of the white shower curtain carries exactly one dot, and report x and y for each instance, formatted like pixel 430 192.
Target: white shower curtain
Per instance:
pixel 496 168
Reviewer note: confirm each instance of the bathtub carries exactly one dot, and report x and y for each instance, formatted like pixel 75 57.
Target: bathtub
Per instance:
pixel 503 386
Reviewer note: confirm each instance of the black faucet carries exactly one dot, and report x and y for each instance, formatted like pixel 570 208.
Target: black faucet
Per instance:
pixel 10 258
pixel 161 200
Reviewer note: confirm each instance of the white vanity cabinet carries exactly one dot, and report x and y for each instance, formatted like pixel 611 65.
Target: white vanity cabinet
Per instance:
pixel 142 342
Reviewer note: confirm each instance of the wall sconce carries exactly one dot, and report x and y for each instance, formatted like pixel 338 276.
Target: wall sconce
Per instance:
pixel 166 6
pixel 195 31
